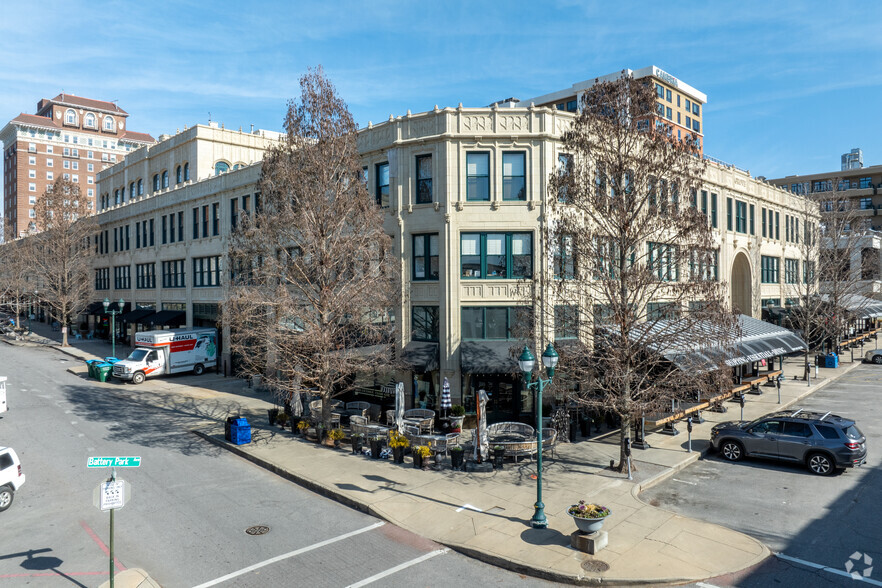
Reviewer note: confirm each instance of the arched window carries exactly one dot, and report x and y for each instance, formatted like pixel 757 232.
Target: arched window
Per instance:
pixel 221 167
pixel 155 182
pixel 237 166
pixel 108 123
pixel 116 196
pixel 70 117
pixel 186 172
pixel 122 194
pixel 132 190
pixel 140 187
pixel 178 175
pixel 165 179
pixel 89 121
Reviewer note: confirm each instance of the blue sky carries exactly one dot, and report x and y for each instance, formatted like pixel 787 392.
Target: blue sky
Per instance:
pixel 791 85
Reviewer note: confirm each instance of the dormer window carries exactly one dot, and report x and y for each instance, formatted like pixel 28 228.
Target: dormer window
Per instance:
pixel 108 123
pixel 89 121
pixel 70 117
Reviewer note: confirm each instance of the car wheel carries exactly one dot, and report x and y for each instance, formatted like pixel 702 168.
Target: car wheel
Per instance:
pixel 877 359
pixel 732 450
pixel 820 464
pixel 6 495
pixel 138 378
pixel 198 369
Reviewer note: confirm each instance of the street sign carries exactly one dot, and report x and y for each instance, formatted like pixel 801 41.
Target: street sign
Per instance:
pixel 113 462
pixel 112 494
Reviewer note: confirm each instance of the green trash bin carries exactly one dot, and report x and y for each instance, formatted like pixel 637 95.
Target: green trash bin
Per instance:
pixel 90 364
pixel 104 370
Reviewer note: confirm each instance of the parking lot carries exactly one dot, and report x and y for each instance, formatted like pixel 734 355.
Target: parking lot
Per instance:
pixel 805 519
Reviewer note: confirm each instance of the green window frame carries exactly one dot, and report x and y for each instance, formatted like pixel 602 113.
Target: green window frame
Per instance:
pixel 763 217
pixel 424 179
pixel 728 214
pixel 778 225
pixel 425 323
pixel 382 193
pixel 791 271
pixel 769 270
pixel 566 321
pixel 752 214
pixel 663 261
pixel 564 259
pixel 478 176
pixel 740 217
pixel 514 175
pixel 425 257
pixel 713 210
pixel 481 323
pixel 496 255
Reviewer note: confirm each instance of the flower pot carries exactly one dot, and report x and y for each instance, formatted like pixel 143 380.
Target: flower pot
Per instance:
pixel 589 525
pixel 294 428
pixel 376 447
pixel 498 457
pixel 456 424
pixel 319 435
pixel 417 461
pixel 272 413
pixel 398 454
pixel 357 444
pixel 456 459
pixel 336 443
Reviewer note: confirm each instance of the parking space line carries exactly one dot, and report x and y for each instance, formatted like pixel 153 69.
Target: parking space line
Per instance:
pixel 398 568
pixel 824 568
pixel 279 558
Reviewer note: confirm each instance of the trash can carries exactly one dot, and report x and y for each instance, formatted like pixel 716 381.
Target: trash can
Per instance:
pixel 111 360
pixel 103 371
pixel 831 360
pixel 240 432
pixel 90 366
pixel 227 428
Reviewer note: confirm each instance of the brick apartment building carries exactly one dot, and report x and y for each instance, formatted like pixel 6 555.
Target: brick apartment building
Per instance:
pixel 69 136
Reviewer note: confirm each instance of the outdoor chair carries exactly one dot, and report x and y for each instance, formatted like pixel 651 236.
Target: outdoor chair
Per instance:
pixel 90 334
pixel 357 425
pixel 78 335
pixel 423 418
pixel 549 441
pixel 358 408
pixel 315 412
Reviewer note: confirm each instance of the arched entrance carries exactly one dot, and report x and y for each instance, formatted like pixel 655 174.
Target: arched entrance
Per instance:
pixel 741 285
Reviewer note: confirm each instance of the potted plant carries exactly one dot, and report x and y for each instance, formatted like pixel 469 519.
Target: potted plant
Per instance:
pixel 498 456
pixel 336 435
pixel 456 455
pixel 281 419
pixel 398 442
pixel 457 416
pixel 319 433
pixel 589 517
pixel 272 413
pixel 357 443
pixel 421 454
pixel 376 443
pixel 302 426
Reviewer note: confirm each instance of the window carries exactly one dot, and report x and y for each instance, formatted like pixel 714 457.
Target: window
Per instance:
pixel 566 321
pixel 108 123
pixel 791 271
pixel 478 176
pixel 425 257
pixel 50 176
pixel 32 160
pixel 178 175
pixel 140 186
pixel 215 219
pixel 696 126
pixel 659 91
pixel 729 214
pixel 221 167
pixel 145 275
pixel 32 173
pixel 827 432
pixel 564 259
pixel 151 232
pixel 127 238
pixel 668 95
pixel 769 270
pixel 808 272
pixel 49 162
pixel 171 228
pixel 656 311
pixel 155 182
pixel 173 274
pixel 740 216
pixel 164 230
pixel 564 172
pixel 752 213
pixel 695 109
pixel 204 221
pixel 234 213
pixel 181 226
pixel 89 121
pixel 496 255
pixel 165 179
pixel 425 324
pixel 714 210
pixel 866 204
pixel 32 187
pixel 382 193
pixel 572 105
pixel 492 322
pixel 196 223
pixel 513 176
pixel 663 262
pixel 186 172
pixel 424 179
pixel 763 219
pixel 121 278
pixel 65 164
pixel 704 265
pixel 70 117
pixel 206 271
pixel 866 183
pixel 777 225
pixel 102 278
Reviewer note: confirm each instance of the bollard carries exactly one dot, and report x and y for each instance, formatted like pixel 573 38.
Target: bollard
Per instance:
pixel 689 430
pixel 741 402
pixel 628 455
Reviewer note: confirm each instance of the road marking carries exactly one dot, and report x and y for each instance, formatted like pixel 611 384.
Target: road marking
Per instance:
pixel 469 507
pixel 398 568
pixel 279 558
pixel 824 568
pixel 684 482
pixel 706 585
pixel 103 547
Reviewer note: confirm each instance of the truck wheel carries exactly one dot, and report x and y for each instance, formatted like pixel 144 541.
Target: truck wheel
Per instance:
pixel 138 378
pixel 198 369
pixel 6 495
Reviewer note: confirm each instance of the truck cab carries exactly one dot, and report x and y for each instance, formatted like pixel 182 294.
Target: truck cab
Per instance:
pixel 139 364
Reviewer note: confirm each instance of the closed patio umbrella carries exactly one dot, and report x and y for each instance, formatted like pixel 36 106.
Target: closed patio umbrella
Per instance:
pixel 482 444
pixel 296 405
pixel 399 406
pixel 445 396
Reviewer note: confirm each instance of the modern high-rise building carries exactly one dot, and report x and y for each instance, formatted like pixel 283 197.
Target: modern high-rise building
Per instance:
pixel 679 105
pixel 68 136
pixel 854 159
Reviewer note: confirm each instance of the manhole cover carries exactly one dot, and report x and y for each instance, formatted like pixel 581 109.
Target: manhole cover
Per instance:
pixel 261 530
pixel 592 565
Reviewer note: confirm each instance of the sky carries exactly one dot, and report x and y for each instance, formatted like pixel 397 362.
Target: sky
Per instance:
pixel 791 85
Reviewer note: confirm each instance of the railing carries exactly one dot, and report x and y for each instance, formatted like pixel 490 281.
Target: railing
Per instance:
pixel 722 163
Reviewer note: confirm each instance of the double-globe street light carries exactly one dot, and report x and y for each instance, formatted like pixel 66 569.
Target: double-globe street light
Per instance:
pixel 526 361
pixel 113 314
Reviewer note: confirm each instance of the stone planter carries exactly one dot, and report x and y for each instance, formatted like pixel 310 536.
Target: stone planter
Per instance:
pixel 589 525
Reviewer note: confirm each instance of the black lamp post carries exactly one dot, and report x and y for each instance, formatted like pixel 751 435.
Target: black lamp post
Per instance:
pixel 526 362
pixel 113 314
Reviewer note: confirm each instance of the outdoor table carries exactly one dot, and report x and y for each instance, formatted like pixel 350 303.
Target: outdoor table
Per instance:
pixel 373 430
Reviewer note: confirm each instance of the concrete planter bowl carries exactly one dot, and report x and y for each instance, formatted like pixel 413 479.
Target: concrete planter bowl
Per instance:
pixel 589 518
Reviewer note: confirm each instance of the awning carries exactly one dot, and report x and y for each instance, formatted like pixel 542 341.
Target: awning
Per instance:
pixel 364 351
pixel 139 315
pixel 488 357
pixel 95 308
pixel 171 318
pixel 759 340
pixel 421 355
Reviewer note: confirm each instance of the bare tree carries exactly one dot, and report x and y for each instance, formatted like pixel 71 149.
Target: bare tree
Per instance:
pixel 17 283
pixel 636 262
pixel 313 275
pixel 59 254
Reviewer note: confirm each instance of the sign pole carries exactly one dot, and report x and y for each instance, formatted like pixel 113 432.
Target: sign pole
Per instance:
pixel 112 479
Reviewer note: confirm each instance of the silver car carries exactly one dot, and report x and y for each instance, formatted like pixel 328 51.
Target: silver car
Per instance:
pixel 874 356
pixel 824 443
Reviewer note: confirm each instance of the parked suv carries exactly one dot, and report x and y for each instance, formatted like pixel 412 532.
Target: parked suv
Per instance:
pixel 823 442
pixel 11 477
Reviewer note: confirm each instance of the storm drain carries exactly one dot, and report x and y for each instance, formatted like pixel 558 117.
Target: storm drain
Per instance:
pixel 593 565
pixel 257 530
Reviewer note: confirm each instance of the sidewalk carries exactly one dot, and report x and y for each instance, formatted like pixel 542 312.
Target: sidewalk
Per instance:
pixel 487 515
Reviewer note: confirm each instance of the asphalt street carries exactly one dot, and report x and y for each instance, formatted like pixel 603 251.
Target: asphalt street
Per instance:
pixel 815 525
pixel 191 502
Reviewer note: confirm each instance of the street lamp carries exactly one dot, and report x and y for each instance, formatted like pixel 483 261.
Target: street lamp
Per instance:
pixel 526 362
pixel 113 314
pixel 31 311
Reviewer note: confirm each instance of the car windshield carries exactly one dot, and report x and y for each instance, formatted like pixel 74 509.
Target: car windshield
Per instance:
pixel 853 432
pixel 138 355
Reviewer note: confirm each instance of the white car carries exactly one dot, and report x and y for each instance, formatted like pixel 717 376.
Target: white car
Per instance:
pixel 11 478
pixel 874 356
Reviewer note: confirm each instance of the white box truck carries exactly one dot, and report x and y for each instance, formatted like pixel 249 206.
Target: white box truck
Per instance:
pixel 169 352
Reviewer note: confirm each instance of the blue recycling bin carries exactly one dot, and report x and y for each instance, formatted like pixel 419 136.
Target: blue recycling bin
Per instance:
pixel 831 360
pixel 240 431
pixel 111 360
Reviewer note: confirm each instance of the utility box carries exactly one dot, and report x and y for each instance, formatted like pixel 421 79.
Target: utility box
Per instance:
pixel 240 432
pixel 831 360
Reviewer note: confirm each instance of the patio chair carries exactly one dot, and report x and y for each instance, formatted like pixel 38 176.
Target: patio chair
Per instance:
pixel 357 425
pixel 358 408
pixel 549 441
pixel 90 334
pixel 78 335
pixel 422 418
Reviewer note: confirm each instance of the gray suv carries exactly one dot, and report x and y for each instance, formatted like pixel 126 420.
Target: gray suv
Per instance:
pixel 823 442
